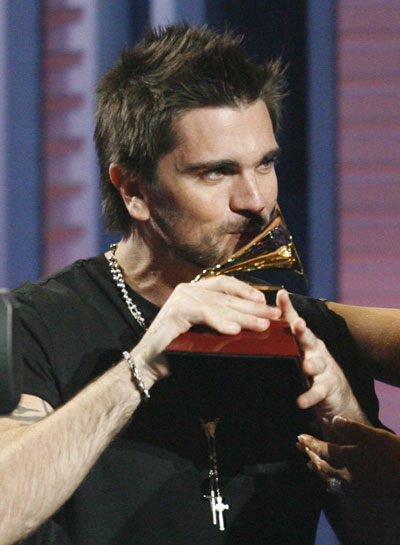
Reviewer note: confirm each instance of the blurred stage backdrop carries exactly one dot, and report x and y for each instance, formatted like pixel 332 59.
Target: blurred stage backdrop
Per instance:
pixel 340 167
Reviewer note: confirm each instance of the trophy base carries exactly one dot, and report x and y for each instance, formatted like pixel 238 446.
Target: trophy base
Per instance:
pixel 253 378
pixel 277 340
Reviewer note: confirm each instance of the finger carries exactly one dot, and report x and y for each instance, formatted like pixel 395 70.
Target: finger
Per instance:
pixel 317 393
pixel 234 303
pixel 334 454
pixel 351 431
pixel 242 319
pixel 336 483
pixel 321 465
pixel 190 305
pixel 315 364
pixel 306 339
pixel 233 286
pixel 315 445
pixel 229 291
pixel 284 303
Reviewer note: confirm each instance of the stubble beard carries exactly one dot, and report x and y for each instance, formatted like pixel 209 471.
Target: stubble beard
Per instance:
pixel 208 252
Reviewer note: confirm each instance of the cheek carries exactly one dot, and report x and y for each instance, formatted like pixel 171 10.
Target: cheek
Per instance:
pixel 204 206
pixel 272 185
pixel 271 191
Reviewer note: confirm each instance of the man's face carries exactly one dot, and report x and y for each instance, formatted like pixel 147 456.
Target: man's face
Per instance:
pixel 216 190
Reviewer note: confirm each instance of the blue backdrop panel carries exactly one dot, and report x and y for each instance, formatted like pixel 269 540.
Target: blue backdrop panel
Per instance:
pixel 23 142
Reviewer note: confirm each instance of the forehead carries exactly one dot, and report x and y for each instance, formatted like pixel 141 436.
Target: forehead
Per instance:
pixel 223 131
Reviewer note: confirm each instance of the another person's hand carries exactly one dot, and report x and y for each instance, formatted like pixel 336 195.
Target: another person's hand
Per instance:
pixel 366 462
pixel 330 391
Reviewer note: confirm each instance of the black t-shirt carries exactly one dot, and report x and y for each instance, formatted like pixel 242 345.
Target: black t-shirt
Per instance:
pixel 148 486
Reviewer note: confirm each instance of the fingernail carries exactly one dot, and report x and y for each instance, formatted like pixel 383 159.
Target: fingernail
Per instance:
pixel 275 312
pixel 339 421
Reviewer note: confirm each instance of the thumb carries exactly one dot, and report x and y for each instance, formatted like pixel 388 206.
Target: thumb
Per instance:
pixel 351 431
pixel 283 302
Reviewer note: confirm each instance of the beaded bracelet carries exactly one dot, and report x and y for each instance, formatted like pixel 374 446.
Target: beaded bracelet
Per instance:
pixel 137 379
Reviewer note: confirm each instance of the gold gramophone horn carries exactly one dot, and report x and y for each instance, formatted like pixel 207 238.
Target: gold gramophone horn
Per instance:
pixel 272 249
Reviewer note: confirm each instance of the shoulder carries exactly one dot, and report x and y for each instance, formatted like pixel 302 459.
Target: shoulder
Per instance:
pixel 81 284
pixel 62 282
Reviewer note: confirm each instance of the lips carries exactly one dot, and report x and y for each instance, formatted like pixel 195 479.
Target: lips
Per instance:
pixel 244 237
pixel 253 230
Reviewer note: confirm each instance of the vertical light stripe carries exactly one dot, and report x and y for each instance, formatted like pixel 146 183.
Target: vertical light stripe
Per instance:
pixel 84 210
pixel 322 149
pixel 162 12
pixel 172 11
pixel 23 140
pixel 193 12
pixel 3 132
pixel 117 25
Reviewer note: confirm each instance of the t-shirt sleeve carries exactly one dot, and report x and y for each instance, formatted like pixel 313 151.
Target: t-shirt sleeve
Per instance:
pixel 333 330
pixel 36 352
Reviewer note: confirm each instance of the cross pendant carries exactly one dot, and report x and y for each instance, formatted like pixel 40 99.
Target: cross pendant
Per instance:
pixel 219 508
pixel 216 502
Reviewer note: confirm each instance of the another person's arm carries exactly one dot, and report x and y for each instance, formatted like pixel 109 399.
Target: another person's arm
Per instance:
pixel 365 459
pixel 376 330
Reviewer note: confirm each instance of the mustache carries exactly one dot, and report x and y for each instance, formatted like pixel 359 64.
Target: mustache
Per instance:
pixel 249 225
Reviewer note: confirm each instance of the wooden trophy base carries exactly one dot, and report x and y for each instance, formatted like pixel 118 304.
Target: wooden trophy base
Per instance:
pixel 277 340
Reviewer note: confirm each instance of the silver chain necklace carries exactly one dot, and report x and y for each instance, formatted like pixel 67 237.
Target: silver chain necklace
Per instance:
pixel 214 497
pixel 118 278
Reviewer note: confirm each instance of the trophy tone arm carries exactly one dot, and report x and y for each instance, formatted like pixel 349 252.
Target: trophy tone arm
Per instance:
pixel 377 331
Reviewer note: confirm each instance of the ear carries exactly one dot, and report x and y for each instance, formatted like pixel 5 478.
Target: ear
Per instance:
pixel 129 187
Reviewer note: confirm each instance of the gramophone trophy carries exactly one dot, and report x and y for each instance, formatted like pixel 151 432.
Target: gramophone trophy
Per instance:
pixel 272 249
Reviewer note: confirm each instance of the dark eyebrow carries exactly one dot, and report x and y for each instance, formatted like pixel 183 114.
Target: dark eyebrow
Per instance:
pixel 209 165
pixel 224 163
pixel 271 155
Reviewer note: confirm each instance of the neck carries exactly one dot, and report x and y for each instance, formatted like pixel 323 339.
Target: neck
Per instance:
pixel 151 270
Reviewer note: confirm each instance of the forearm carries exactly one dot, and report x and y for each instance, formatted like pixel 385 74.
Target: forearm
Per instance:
pixel 376 330
pixel 43 463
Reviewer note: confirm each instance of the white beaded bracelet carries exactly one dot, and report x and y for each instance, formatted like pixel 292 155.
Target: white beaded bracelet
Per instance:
pixel 137 379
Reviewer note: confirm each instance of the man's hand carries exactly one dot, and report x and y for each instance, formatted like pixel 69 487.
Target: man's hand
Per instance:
pixel 330 392
pixel 368 459
pixel 224 304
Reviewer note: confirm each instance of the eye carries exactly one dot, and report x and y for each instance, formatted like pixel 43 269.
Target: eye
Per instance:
pixel 213 175
pixel 268 164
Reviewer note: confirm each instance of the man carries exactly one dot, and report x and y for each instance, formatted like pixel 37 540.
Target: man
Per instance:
pixel 186 134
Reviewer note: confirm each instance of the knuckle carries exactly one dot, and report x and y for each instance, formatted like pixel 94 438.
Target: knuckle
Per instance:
pixel 182 288
pixel 208 315
pixel 319 343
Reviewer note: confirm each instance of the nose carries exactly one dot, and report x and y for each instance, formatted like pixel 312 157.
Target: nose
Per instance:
pixel 250 194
